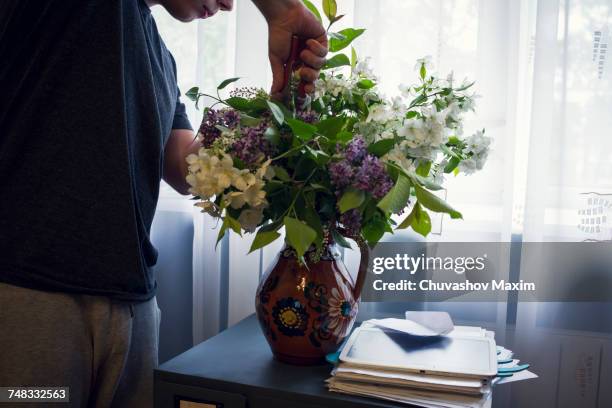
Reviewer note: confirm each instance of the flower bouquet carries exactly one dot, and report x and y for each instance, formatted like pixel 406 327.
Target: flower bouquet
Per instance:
pixel 343 163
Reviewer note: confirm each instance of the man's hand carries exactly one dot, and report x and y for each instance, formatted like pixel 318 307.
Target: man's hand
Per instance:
pixel 287 18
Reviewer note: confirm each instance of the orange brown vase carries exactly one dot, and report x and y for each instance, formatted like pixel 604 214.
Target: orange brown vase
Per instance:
pixel 306 312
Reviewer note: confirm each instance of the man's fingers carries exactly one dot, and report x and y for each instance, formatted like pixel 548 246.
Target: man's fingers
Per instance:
pixel 278 74
pixel 316 47
pixel 308 74
pixel 311 59
pixel 309 88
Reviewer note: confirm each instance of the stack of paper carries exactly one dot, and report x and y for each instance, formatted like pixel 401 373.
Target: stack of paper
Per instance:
pixel 383 359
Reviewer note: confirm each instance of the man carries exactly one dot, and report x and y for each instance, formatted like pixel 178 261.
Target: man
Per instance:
pixel 90 121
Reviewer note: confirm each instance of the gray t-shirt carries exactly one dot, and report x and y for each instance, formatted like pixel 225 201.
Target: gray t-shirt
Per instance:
pixel 89 98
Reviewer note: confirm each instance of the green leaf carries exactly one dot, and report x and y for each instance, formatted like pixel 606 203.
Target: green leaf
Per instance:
pixel 339 239
pixel 280 173
pixel 453 141
pixel 434 203
pixel 337 18
pixel 313 220
pixel 299 235
pixel 330 8
pixel 229 222
pixel 463 88
pixel 263 238
pixel 424 168
pixel 272 135
pixel 313 9
pixel 276 112
pixel 418 219
pixel 366 84
pixel 353 58
pixel 344 136
pixel 227 82
pixel 337 36
pixel 448 151
pixel 272 226
pixel 381 147
pixel 336 61
pixel 421 222
pixel 233 224
pixel 423 71
pixel 350 34
pixel 319 156
pixel 374 230
pixel 330 127
pixel 418 100
pixel 301 129
pixel 426 182
pixel 247 120
pixel 238 103
pixel 193 93
pixel 397 198
pixel 452 164
pixel 352 198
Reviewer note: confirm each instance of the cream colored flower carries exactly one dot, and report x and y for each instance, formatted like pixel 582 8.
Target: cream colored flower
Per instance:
pixel 243 179
pixel 235 199
pixel 225 171
pixel 254 195
pixel 209 174
pixel 265 171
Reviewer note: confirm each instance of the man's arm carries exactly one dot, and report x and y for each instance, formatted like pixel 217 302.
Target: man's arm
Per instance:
pixel 181 143
pixel 285 18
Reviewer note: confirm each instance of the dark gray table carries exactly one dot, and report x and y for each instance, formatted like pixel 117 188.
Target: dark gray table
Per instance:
pixel 235 369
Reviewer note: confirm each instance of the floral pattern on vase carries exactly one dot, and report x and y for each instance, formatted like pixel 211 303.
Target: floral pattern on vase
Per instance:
pixel 306 312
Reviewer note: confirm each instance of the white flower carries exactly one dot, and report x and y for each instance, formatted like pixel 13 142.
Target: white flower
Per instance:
pixel 398 108
pixel 209 175
pixel 252 194
pixel 454 110
pixel 468 166
pixel 427 61
pixel 477 147
pixel 333 86
pixel 469 103
pixel 379 113
pixel 478 143
pixel 398 156
pixel 405 90
pixel 363 69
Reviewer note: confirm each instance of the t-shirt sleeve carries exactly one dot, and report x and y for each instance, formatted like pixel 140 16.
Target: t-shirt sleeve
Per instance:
pixel 180 121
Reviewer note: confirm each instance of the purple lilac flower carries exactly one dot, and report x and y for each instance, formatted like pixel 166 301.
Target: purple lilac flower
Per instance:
pixel 371 176
pixel 208 128
pixel 351 220
pixel 356 150
pixel 231 118
pixel 252 146
pixel 308 116
pixel 341 174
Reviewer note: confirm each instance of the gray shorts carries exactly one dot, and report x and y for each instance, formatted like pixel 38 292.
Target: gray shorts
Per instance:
pixel 104 350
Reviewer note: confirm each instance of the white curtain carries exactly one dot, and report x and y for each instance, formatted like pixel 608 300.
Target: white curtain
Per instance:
pixel 545 77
